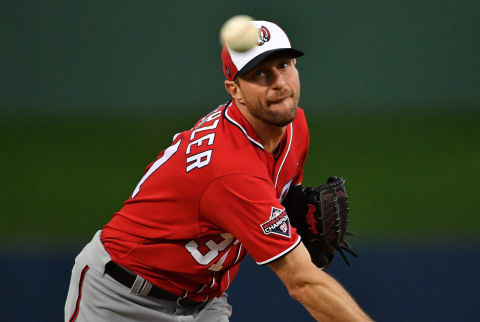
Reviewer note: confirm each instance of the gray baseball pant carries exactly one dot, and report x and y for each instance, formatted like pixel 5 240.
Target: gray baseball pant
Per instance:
pixel 96 296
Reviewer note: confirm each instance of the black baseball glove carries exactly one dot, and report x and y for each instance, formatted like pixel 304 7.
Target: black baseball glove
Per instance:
pixel 320 215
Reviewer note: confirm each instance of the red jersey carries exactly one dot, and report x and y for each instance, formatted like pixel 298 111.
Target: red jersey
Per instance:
pixel 207 200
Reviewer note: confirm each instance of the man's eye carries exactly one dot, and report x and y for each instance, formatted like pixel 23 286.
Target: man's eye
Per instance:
pixel 260 73
pixel 283 65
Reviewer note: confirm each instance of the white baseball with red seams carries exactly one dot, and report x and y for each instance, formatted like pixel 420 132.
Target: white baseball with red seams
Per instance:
pixel 238 33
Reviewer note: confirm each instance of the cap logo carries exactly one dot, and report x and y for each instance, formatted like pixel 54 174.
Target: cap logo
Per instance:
pixel 263 35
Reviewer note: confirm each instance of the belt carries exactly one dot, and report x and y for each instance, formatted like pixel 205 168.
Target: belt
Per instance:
pixel 123 277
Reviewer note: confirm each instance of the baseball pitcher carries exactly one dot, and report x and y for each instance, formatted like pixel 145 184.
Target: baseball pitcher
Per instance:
pixel 227 187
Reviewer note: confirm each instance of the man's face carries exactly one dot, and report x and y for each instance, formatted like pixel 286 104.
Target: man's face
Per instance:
pixel 271 91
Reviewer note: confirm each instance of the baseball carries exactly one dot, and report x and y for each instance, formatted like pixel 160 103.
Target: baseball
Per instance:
pixel 238 33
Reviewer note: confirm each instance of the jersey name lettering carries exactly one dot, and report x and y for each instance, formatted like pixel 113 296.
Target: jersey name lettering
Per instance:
pixel 202 159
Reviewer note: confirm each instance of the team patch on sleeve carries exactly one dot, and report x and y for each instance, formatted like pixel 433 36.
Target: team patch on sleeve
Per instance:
pixel 277 224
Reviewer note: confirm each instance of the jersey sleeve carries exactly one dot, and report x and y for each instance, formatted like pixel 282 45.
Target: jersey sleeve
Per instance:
pixel 246 207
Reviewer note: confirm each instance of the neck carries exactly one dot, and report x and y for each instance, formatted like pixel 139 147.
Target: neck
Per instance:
pixel 270 135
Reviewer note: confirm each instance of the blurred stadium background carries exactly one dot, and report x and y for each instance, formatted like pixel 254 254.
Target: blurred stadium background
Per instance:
pixel 91 91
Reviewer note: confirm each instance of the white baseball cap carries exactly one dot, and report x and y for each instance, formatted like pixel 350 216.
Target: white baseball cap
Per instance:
pixel 271 39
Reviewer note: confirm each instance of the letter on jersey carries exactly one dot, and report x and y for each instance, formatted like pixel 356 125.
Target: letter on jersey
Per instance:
pixel 199 160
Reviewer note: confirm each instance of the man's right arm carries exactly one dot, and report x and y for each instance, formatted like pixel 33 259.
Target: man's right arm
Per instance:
pixel 323 297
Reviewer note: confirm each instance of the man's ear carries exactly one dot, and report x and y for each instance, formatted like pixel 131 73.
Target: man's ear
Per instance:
pixel 233 89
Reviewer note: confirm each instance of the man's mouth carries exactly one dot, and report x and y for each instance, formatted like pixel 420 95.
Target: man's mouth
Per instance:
pixel 279 100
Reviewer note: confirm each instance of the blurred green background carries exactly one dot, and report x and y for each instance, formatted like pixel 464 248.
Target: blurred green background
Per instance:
pixel 409 176
pixel 91 91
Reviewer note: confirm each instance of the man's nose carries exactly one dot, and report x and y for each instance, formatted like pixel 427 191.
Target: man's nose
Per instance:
pixel 278 79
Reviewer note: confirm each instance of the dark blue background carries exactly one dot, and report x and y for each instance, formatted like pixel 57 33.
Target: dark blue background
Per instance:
pixel 392 283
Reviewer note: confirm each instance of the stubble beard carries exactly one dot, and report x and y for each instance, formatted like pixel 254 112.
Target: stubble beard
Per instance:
pixel 272 117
